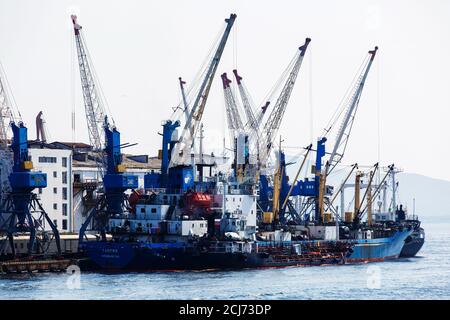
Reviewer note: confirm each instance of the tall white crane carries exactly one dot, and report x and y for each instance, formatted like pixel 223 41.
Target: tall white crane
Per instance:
pixel 273 122
pixel 6 113
pixel 93 101
pixel 182 150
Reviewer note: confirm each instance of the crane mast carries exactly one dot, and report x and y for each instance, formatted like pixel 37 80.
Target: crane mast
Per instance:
pixel 262 112
pixel 185 102
pixel 273 122
pixel 20 208
pixel 6 118
pixel 351 110
pixel 93 104
pixel 182 150
pixel 344 130
pixel 6 115
pixel 251 119
pixel 235 122
pixel 105 140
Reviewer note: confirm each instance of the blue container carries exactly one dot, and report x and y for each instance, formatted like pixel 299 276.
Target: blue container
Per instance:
pixel 120 181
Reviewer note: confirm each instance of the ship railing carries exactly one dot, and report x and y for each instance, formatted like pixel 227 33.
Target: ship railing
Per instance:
pixel 234 247
pixel 412 217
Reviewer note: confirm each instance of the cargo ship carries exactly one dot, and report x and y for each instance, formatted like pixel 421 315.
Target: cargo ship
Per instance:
pixel 185 220
pixel 198 230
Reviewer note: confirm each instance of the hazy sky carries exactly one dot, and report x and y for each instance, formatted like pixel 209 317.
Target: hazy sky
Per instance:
pixel 140 48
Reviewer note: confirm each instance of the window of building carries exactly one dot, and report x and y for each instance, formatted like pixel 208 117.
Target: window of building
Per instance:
pixel 64 209
pixel 64 224
pixel 55 190
pixel 76 177
pixel 55 174
pixel 55 206
pixel 47 159
pixel 40 190
pixel 64 162
pixel 64 193
pixel 55 222
pixel 153 210
pixel 64 177
pixel 142 210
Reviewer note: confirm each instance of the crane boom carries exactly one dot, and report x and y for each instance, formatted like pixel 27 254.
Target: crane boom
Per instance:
pixel 234 117
pixel 251 119
pixel 185 103
pixel 262 112
pixel 6 114
pixel 351 109
pixel 93 104
pixel 344 129
pixel 273 122
pixel 181 152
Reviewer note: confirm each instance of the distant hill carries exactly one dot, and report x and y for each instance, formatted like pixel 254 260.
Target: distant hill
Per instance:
pixel 431 195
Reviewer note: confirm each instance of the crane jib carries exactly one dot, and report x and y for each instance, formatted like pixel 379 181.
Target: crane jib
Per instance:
pixel 186 140
pixel 274 121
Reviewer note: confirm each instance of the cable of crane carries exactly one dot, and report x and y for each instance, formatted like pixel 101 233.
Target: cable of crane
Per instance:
pixel 103 102
pixel 343 102
pixel 280 80
pixel 194 84
pixel 73 59
pixel 9 96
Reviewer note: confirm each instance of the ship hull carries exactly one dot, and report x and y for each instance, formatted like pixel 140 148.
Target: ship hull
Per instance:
pixel 153 257
pixel 117 256
pixel 413 244
pixel 379 249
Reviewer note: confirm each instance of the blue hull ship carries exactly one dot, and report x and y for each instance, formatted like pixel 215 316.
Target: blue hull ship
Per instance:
pixel 380 249
pixel 141 256
pixel 114 256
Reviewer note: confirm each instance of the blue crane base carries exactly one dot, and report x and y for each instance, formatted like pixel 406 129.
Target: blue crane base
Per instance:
pixel 107 205
pixel 22 212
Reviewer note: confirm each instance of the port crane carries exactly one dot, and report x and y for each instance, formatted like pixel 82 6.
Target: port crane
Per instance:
pixel 105 139
pixel 21 211
pixel 252 126
pixel 183 147
pixel 177 170
pixel 262 142
pixel 239 136
pixel 254 120
pixel 273 122
pixel 350 107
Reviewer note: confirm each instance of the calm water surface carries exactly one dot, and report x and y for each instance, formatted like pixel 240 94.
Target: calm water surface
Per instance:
pixel 424 277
